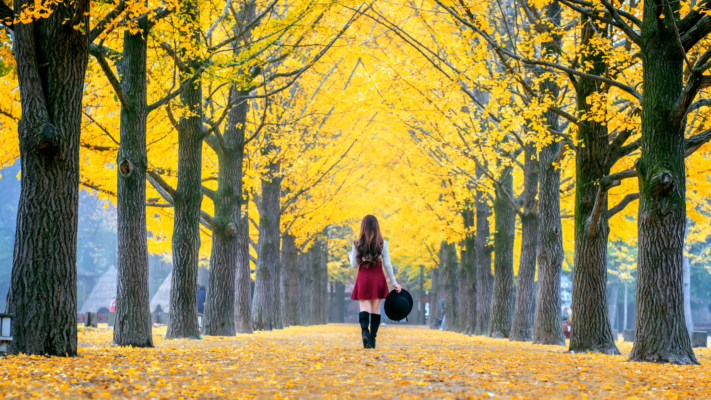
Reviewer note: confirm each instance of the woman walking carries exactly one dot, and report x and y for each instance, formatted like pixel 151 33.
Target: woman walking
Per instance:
pixel 369 254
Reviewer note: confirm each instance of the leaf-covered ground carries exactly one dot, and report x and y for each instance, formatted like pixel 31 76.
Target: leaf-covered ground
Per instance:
pixel 329 362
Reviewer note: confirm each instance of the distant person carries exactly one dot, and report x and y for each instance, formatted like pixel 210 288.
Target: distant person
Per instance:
pixel 441 309
pixel 369 254
pixel 201 299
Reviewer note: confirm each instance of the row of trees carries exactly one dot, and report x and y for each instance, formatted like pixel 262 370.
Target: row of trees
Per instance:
pixel 117 82
pixel 514 99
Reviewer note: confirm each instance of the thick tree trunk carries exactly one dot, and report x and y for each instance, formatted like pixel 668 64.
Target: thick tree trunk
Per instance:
pixel 483 265
pixel 220 302
pixel 502 304
pixel 51 61
pixel 451 309
pixel 590 329
pixel 467 276
pixel 290 280
pixel 305 286
pixel 547 327
pixel 133 325
pixel 266 305
pixel 186 203
pixel 243 280
pixel 522 326
pixel 660 326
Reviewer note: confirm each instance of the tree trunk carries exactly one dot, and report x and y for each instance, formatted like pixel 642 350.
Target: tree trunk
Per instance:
pixel 305 287
pixel 226 314
pixel 243 280
pixel 323 288
pixel 186 203
pixel 467 276
pixel 613 290
pixel 687 296
pixel 624 314
pixel 522 326
pixel 483 267
pixel 51 61
pixel 502 304
pixel 547 322
pixel 590 328
pixel 133 325
pixel 220 300
pixel 340 302
pixel 421 314
pixel 266 305
pixel 290 280
pixel 450 286
pixel 660 326
pixel 547 327
pixel 435 312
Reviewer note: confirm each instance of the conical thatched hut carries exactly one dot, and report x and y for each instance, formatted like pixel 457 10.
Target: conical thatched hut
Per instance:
pixel 162 296
pixel 103 293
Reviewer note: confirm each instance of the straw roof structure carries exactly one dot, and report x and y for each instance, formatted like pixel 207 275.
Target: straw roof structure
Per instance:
pixel 103 293
pixel 162 295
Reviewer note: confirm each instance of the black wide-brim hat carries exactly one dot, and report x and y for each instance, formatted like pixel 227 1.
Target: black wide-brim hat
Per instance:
pixel 398 305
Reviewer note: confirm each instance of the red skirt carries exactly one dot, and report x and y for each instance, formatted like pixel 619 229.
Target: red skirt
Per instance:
pixel 370 283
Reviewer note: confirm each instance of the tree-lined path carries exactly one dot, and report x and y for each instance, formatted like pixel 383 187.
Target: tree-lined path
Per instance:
pixel 524 158
pixel 324 362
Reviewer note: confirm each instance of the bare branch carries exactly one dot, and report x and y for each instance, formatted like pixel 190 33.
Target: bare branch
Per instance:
pixel 621 206
pixel 115 84
pixel 695 142
pixel 163 188
pixel 101 26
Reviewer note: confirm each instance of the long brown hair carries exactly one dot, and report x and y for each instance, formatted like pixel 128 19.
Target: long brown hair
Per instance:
pixel 369 246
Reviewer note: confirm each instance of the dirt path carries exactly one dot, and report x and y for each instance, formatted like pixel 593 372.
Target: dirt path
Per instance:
pixel 329 362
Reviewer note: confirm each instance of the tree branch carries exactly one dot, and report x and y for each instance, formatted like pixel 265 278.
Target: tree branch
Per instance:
pixel 115 84
pixel 207 221
pixel 695 84
pixel 7 15
pixel 696 32
pixel 695 142
pixel 621 206
pixel 208 192
pixel 634 36
pixel 101 26
pixel 80 13
pixel 163 188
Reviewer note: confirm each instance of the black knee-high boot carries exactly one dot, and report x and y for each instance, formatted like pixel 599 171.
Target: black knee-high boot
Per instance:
pixel 374 324
pixel 364 319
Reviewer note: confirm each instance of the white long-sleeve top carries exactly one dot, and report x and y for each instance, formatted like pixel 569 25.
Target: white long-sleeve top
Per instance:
pixel 386 261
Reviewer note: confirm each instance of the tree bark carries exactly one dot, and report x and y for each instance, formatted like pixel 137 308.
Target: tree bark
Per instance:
pixel 467 276
pixel 590 328
pixel 323 283
pixel 547 322
pixel 435 294
pixel 522 326
pixel 266 305
pixel 450 286
pixel 133 325
pixel 51 61
pixel 613 290
pixel 660 326
pixel 224 313
pixel 502 304
pixel 220 301
pixel 290 280
pixel 243 281
pixel 187 201
pixel 340 302
pixel 483 267
pixel 305 286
